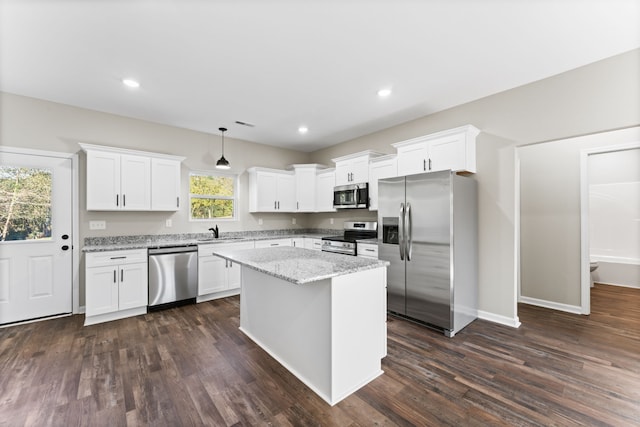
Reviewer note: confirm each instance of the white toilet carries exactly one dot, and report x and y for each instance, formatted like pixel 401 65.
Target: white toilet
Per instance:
pixel 593 265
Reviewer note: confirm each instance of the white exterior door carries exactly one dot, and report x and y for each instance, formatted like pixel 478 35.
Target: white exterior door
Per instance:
pixel 35 236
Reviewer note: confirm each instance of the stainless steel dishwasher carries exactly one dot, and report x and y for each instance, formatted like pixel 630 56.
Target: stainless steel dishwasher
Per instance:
pixel 173 276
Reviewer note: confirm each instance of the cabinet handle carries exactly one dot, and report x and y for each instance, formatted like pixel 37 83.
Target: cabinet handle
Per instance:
pixel 369 250
pixel 178 202
pixel 118 257
pixel 122 275
pixel 278 204
pixel 230 264
pixel 273 244
pixel 117 200
pixel 429 164
pixel 124 200
pixel 297 205
pixel 424 164
pixel 115 278
pixel 275 205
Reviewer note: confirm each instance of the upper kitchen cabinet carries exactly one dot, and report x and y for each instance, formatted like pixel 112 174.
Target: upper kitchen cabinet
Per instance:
pixel 354 168
pixel 379 168
pixel 453 149
pixel 120 179
pixel 305 177
pixel 271 190
pixel 165 184
pixel 325 181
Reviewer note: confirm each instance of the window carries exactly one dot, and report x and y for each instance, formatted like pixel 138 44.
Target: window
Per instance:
pixel 212 196
pixel 25 201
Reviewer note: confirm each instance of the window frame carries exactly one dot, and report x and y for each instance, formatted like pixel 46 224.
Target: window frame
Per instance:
pixel 235 198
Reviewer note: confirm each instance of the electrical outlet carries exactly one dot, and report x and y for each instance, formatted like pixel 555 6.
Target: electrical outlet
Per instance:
pixel 293 221
pixel 259 221
pixel 168 223
pixel 331 221
pixel 97 225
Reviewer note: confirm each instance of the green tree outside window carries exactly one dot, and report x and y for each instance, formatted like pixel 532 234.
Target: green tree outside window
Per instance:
pixel 212 196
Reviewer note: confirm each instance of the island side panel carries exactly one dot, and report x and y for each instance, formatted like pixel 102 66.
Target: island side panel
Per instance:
pixel 359 330
pixel 292 323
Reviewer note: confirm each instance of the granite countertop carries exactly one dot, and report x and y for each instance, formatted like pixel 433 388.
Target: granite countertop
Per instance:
pixel 161 241
pixel 299 266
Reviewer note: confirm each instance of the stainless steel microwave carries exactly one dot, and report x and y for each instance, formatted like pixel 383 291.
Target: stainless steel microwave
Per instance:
pixel 351 196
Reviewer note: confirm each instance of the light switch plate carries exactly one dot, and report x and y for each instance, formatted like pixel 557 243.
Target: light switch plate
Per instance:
pixel 97 225
pixel 168 223
pixel 293 221
pixel 259 221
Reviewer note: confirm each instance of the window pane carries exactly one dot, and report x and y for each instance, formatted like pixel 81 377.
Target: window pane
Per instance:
pixel 211 208
pixel 211 185
pixel 25 203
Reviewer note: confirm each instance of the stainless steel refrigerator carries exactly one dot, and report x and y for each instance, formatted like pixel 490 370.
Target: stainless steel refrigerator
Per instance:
pixel 427 230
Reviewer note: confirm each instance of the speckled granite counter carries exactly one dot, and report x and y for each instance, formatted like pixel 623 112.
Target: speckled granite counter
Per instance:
pixel 114 243
pixel 299 265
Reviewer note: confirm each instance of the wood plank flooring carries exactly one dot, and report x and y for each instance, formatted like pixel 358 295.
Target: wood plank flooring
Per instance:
pixel 192 366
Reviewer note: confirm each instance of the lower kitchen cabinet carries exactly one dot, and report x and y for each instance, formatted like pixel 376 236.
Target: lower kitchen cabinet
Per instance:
pixel 217 277
pixel 116 285
pixel 313 243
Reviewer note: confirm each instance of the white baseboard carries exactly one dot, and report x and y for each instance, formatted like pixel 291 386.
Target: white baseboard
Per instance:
pixel 81 310
pixel 575 309
pixel 498 318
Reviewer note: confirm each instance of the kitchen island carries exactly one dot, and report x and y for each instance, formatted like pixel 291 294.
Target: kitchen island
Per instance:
pixel 321 315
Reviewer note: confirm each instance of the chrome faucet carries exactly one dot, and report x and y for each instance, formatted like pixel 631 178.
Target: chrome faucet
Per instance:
pixel 215 231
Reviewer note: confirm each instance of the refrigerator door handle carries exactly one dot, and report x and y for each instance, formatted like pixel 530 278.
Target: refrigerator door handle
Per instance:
pixel 401 231
pixel 408 223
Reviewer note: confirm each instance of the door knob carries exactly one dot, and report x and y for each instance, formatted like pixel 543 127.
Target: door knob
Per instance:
pixel 65 236
pixel 65 247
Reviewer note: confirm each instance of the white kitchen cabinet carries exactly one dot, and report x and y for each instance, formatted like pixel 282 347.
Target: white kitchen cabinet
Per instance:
pixel 354 168
pixel 120 179
pixel 367 250
pixel 271 190
pixel 272 243
pixel 305 178
pixel 313 243
pixel 379 168
pixel 116 285
pixel 217 277
pixel 325 181
pixel 453 149
pixel 165 184
pixel 297 242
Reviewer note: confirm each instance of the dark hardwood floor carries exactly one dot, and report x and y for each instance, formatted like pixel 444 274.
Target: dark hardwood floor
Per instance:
pixel 192 366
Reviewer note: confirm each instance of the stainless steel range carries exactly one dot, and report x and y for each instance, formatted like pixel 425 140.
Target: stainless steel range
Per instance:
pixel 346 243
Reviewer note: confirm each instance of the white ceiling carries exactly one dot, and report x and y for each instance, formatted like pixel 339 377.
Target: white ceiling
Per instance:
pixel 203 64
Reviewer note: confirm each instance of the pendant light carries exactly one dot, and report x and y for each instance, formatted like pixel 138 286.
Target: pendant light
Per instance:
pixel 222 163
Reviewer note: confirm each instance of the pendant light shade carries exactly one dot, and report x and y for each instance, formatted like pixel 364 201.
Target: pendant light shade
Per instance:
pixel 222 163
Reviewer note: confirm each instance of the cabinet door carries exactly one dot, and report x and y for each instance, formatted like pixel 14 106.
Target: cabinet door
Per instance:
pixel 101 290
pixel 103 181
pixel 312 243
pixel 267 191
pixel 234 275
pixel 212 275
pixel 448 153
pixel 132 290
pixel 360 170
pixel 412 159
pixel 286 193
pixel 324 191
pixel 305 189
pixel 343 173
pixel 135 182
pixel 165 185
pixel 379 170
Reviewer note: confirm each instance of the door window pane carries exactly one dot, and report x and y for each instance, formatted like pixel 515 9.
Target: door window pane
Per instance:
pixel 25 203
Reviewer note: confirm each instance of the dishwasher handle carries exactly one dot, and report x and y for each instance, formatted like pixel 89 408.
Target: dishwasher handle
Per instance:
pixel 173 250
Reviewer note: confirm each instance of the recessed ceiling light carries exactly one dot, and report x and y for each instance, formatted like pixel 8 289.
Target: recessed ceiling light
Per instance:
pixel 130 83
pixel 303 129
pixel 382 93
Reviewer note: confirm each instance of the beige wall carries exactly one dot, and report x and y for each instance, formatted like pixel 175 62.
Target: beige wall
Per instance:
pixel 31 123
pixel 598 97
